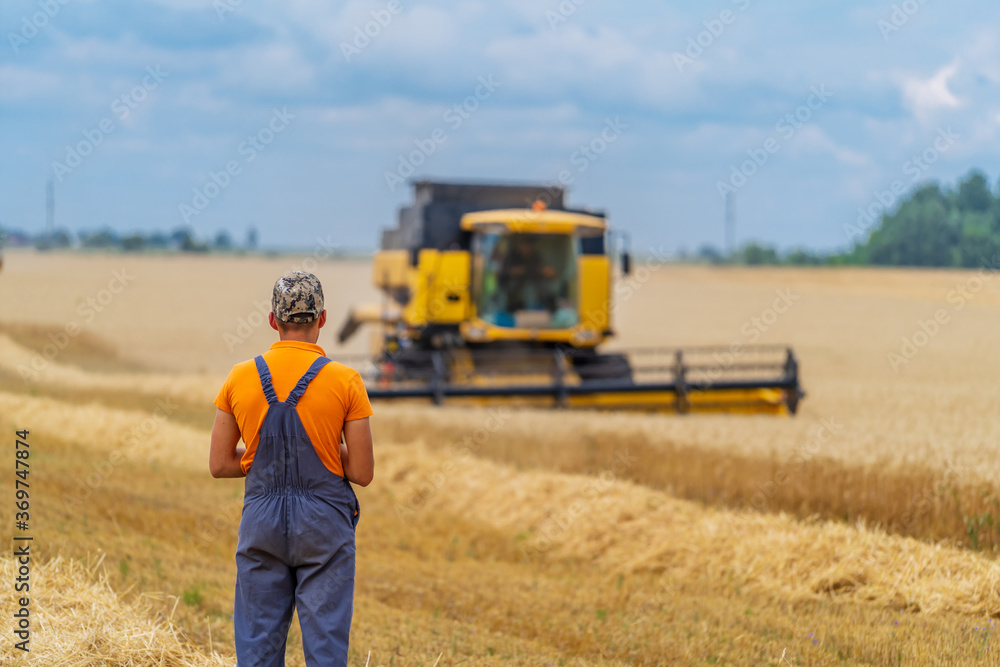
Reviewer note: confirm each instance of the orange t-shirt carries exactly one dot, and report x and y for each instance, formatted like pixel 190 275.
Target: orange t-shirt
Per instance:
pixel 336 395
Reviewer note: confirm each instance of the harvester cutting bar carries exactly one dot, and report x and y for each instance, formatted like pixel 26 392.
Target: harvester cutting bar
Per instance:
pixel 767 382
pixel 709 367
pixel 586 388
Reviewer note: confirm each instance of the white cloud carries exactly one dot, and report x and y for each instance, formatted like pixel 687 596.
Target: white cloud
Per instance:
pixel 603 64
pixel 925 96
pixel 275 68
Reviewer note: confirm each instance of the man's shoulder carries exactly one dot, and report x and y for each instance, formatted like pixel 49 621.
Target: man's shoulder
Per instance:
pixel 245 366
pixel 338 371
pixel 242 370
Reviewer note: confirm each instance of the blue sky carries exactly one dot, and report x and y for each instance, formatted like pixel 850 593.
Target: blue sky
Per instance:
pixel 309 120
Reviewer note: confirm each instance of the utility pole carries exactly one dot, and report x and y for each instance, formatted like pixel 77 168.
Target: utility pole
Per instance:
pixel 50 208
pixel 730 224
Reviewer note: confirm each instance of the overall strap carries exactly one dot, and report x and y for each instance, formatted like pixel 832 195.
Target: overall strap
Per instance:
pixel 265 380
pixel 300 386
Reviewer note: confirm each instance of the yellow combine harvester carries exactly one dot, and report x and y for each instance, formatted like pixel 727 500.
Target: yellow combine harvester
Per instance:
pixel 500 294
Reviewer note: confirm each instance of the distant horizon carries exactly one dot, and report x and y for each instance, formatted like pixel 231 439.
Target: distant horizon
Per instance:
pixel 886 202
pixel 849 224
pixel 361 256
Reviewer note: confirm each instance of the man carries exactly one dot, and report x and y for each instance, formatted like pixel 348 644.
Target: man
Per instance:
pixel 524 277
pixel 296 539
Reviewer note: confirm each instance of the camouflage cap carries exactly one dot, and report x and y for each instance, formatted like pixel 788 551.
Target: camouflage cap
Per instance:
pixel 298 297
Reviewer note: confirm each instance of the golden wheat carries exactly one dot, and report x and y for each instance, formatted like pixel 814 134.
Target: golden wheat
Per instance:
pixel 936 409
pixel 38 372
pixel 621 525
pixel 174 313
pixel 124 435
pixel 517 575
pixel 627 528
pixel 465 555
pixel 79 621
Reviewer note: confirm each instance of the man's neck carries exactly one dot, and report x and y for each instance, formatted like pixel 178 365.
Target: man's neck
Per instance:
pixel 300 338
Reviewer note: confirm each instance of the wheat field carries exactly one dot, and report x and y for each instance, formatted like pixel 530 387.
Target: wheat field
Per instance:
pixel 861 531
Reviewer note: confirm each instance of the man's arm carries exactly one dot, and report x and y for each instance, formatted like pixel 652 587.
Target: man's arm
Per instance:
pixel 357 456
pixel 224 458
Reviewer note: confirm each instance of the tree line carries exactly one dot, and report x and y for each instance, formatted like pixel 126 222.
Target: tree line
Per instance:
pixel 934 226
pixel 182 239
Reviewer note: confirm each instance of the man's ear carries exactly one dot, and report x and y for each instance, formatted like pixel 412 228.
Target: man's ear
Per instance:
pixel 322 319
pixel 271 320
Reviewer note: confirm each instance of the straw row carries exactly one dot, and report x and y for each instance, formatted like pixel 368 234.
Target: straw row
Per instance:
pixel 623 527
pixel 77 620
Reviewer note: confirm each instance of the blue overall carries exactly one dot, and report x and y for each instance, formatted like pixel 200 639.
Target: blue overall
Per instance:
pixel 296 542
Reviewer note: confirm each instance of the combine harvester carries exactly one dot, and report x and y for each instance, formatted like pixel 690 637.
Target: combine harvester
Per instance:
pixel 501 294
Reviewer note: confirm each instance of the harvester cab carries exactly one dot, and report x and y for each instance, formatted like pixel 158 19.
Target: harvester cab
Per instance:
pixel 499 293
